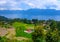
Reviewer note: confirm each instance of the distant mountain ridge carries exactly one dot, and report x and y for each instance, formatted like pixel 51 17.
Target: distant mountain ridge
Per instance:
pixel 31 13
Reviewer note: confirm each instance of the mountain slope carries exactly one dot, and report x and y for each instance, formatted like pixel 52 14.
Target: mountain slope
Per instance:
pixel 32 13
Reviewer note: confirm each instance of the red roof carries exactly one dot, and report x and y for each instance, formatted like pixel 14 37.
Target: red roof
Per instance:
pixel 28 30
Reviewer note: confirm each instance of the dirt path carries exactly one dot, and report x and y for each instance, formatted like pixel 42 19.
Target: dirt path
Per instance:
pixel 10 33
pixel 3 31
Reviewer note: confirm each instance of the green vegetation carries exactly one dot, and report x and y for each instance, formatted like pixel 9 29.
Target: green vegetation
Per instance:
pixel 43 30
pixel 20 28
pixel 4 39
pixel 41 34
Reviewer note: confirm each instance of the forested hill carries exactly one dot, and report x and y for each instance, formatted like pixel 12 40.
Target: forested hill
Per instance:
pixel 2 18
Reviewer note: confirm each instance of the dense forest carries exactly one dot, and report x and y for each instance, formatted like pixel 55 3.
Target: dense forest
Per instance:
pixel 41 30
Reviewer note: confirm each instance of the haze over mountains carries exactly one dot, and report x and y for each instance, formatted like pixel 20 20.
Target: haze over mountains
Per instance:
pixel 42 14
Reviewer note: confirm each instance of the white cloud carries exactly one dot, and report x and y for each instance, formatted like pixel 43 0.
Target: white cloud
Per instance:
pixel 31 4
pixel 42 4
pixel 15 9
pixel 12 3
pixel 2 2
pixel 3 8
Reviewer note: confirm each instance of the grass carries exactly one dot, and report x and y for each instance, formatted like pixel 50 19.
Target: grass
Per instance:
pixel 20 27
pixel 20 32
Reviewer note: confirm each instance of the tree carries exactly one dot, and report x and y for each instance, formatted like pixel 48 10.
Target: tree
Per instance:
pixel 39 34
pixel 52 36
pixel 53 24
pixel 58 25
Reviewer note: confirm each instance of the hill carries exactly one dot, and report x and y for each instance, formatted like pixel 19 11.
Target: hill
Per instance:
pixel 42 14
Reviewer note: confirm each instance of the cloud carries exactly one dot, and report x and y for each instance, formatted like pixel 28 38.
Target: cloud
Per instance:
pixel 3 8
pixel 15 9
pixel 27 4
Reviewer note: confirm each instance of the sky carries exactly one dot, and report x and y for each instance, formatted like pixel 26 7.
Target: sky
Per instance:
pixel 28 4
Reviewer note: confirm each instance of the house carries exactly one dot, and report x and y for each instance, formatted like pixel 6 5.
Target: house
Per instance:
pixel 28 31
